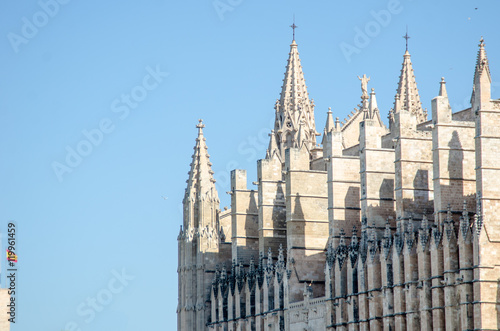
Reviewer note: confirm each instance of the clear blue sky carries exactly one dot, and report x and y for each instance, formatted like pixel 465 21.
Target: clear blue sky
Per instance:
pixel 105 212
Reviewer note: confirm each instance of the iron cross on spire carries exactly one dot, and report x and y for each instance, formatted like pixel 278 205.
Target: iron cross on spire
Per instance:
pixel 293 26
pixel 406 36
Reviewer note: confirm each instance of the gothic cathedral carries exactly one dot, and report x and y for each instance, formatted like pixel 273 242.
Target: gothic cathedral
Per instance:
pixel 376 228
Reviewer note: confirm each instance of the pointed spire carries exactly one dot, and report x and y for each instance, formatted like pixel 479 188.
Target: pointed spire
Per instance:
pixel 201 182
pixel 482 60
pixel 397 103
pixel 482 76
pixel 338 127
pixel 329 121
pixel 329 127
pixel 372 107
pixel 442 88
pixel 294 109
pixel 273 146
pixel 180 235
pixel 407 91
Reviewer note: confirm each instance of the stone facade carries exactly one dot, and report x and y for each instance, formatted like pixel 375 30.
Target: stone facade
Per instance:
pixel 377 228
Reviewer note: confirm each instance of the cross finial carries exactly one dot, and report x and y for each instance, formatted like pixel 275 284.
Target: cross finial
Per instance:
pixel 406 36
pixel 293 26
pixel 200 124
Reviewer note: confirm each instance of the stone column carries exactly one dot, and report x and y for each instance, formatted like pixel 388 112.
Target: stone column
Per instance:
pixel 411 278
pixel 364 313
pixel 341 285
pixel 424 277
pixel 352 288
pixel 399 280
pixel 259 323
pixel 374 285
pixel 437 289
pixel 466 277
pixel 450 259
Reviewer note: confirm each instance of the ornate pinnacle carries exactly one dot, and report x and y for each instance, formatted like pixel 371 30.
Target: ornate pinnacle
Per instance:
pixel 398 238
pixel 260 270
pixel 281 258
pixel 449 224
pixel 424 231
pixel 341 249
pixel 354 247
pixel 269 267
pixel 410 235
pixel 464 221
pixel 387 231
pixel 240 277
pixel 387 240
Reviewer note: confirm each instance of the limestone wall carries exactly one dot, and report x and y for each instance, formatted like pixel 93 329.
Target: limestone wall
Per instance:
pixel 271 205
pixel 244 218
pixel 306 222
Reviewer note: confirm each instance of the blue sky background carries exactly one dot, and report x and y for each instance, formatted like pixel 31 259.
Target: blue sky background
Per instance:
pixel 226 67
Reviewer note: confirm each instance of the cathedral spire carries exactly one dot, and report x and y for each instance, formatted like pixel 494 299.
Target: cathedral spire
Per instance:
pixel 481 90
pixel 273 147
pixel 330 124
pixel 201 183
pixel 372 106
pixel 482 65
pixel 294 110
pixel 407 92
pixel 442 88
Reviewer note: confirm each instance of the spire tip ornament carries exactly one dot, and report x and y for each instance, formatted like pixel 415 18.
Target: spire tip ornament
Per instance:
pixel 406 36
pixel 293 26
pixel 200 124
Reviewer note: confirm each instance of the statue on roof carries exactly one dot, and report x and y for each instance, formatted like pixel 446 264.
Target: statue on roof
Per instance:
pixel 364 85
